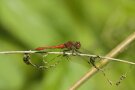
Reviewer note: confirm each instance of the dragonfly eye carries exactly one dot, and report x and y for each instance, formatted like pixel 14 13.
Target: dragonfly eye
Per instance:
pixel 77 45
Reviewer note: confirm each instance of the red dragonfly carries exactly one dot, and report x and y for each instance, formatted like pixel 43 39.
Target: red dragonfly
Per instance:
pixel 70 46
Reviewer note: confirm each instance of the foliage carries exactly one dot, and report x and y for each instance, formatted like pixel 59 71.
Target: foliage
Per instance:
pixel 98 24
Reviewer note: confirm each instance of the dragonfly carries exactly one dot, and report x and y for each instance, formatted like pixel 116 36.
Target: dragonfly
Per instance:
pixel 74 47
pixel 69 46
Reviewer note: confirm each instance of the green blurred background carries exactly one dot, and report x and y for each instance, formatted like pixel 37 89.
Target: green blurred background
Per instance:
pixel 99 25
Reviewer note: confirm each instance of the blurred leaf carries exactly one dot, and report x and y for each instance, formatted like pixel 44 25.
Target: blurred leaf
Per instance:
pixel 98 25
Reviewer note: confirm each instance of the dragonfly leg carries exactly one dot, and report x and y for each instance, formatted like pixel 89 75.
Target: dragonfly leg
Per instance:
pixel 77 51
pixel 73 52
pixel 64 52
pixel 65 55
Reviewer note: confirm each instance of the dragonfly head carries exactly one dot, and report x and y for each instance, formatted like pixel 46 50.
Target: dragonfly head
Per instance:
pixel 77 45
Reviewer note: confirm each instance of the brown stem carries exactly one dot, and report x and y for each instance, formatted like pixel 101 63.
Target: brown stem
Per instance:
pixel 113 53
